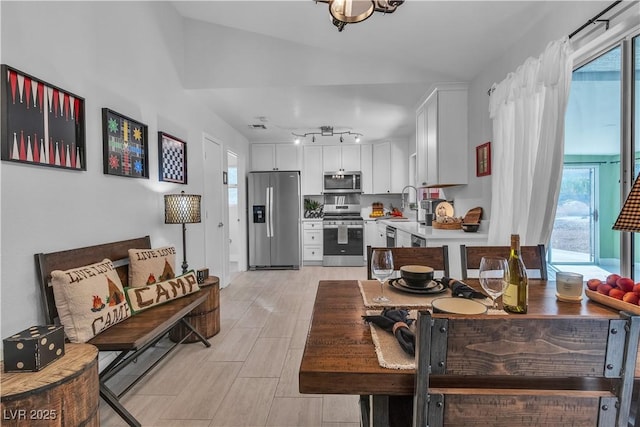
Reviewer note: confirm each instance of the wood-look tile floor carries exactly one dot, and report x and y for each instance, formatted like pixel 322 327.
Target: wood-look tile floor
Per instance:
pixel 249 375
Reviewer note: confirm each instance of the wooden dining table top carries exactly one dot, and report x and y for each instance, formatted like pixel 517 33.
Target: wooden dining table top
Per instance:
pixel 339 355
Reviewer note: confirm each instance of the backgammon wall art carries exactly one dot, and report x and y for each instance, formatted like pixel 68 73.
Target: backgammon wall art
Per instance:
pixel 41 124
pixel 125 145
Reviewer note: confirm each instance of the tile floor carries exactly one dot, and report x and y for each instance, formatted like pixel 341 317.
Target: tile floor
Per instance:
pixel 249 376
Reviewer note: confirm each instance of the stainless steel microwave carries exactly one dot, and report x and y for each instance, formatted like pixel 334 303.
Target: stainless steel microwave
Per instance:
pixel 342 182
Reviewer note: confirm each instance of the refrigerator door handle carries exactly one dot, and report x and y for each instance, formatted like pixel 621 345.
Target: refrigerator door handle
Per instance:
pixel 267 210
pixel 270 217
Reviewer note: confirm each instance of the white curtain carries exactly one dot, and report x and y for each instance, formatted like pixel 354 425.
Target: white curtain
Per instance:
pixel 528 113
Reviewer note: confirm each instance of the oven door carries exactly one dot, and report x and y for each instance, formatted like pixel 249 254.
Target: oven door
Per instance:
pixel 343 239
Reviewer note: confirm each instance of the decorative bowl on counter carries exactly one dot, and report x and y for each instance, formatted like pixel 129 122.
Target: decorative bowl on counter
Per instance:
pixel 470 228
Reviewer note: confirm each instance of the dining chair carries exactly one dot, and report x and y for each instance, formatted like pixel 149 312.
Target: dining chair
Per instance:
pixel 476 370
pixel 534 258
pixel 435 257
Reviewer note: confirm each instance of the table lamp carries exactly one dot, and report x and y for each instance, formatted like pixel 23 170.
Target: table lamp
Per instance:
pixel 182 209
pixel 629 218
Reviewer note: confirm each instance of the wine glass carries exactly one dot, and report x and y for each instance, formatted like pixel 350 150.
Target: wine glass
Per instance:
pixel 494 276
pixel 381 269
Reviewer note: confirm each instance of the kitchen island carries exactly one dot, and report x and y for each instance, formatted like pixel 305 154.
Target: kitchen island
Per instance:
pixel 438 237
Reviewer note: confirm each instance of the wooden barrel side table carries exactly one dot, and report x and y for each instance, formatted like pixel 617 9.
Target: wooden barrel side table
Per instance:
pixel 205 318
pixel 65 393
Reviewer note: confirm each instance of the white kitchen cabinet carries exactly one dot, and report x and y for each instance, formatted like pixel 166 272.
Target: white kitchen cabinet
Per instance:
pixel 366 167
pixel 441 137
pixel 312 170
pixel 266 157
pixel 375 235
pixel 341 157
pixel 312 242
pixel 390 164
pixel 403 239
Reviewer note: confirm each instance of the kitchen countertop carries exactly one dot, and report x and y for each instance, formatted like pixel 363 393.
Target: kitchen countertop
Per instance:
pixel 431 233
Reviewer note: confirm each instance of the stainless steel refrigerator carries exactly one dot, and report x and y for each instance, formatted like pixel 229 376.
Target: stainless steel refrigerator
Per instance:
pixel 274 220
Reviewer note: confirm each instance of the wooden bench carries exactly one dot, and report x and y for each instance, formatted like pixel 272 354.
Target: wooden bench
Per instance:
pixel 133 336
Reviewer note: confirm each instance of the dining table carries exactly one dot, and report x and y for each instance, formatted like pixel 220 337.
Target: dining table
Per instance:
pixel 340 357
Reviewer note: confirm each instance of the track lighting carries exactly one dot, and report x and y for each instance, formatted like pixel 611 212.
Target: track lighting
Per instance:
pixel 326 131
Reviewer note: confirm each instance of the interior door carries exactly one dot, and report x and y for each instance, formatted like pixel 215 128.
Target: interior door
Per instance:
pixel 215 208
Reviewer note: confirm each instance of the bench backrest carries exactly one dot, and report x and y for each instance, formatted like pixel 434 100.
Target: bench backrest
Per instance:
pixel 524 370
pixel 434 257
pixel 118 252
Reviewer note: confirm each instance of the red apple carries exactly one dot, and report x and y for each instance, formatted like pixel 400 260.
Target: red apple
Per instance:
pixel 631 298
pixel 625 283
pixel 612 279
pixel 592 284
pixel 616 293
pixel 604 289
pixel 636 288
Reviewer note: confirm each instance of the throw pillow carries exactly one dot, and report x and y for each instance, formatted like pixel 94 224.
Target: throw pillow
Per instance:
pixel 149 266
pixel 141 298
pixel 89 299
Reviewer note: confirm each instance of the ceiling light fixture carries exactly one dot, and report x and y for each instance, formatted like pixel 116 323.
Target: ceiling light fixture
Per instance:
pixel 326 131
pixel 345 12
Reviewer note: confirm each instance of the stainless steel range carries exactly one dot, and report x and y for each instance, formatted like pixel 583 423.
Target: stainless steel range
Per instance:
pixel 343 231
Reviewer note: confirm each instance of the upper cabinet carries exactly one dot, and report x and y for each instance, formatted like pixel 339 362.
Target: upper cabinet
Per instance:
pixel 312 169
pixel 366 167
pixel 266 157
pixel 341 157
pixel 441 137
pixel 390 163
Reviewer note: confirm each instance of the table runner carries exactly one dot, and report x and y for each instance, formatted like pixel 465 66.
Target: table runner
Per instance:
pixel 390 354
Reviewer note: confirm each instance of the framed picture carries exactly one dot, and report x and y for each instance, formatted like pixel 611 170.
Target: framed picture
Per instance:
pixel 483 159
pixel 41 124
pixel 172 158
pixel 125 146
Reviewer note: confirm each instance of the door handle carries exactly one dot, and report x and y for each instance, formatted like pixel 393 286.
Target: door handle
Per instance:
pixel 220 224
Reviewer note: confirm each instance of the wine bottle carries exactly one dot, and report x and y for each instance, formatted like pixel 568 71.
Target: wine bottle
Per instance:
pixel 516 295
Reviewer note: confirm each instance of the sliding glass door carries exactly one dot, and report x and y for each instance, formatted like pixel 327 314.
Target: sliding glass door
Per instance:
pixel 600 163
pixel 582 230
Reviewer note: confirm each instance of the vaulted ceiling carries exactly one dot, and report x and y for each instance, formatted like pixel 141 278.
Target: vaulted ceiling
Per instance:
pixel 282 64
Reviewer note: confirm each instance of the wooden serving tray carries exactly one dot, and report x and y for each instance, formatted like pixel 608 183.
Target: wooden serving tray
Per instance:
pixel 447 225
pixel 612 302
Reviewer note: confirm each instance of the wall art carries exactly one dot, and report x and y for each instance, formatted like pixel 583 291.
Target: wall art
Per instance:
pixel 483 159
pixel 172 158
pixel 125 146
pixel 41 124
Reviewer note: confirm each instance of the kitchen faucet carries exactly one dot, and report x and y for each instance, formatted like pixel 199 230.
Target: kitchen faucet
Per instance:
pixel 402 195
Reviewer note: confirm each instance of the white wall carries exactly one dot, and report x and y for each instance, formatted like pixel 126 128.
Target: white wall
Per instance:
pixel 127 56
pixel 552 26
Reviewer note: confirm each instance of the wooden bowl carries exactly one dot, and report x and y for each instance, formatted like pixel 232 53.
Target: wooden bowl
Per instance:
pixel 416 276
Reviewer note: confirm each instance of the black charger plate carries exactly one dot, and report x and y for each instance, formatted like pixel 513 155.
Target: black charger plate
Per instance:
pixel 433 289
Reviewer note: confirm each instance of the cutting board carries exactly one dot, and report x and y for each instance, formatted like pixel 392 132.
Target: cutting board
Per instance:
pixel 473 216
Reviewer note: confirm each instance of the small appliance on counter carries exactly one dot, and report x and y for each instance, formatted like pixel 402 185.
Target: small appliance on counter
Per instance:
pixel 427 211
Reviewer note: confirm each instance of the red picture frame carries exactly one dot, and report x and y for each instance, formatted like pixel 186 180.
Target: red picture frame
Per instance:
pixel 483 159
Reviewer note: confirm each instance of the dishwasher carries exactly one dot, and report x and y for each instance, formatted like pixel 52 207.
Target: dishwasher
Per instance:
pixel 418 242
pixel 391 237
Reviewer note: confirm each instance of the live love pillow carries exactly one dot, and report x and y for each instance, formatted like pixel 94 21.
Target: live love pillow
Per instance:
pixel 149 266
pixel 89 299
pixel 141 298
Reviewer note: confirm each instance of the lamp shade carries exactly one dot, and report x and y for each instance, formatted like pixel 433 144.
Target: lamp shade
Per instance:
pixel 181 208
pixel 629 218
